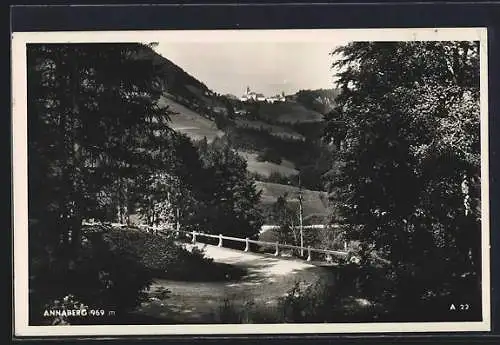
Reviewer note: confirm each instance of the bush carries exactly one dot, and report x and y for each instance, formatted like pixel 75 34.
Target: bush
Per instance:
pixel 158 253
pixel 68 302
pixel 369 294
pixel 304 303
pixel 113 272
pixel 221 121
pixel 168 260
pixel 229 312
pixel 102 276
pixel 340 301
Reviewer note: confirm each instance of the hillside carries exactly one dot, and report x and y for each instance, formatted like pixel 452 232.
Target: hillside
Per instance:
pixel 320 100
pixel 173 78
pixel 190 122
pixel 289 112
pixel 275 130
pixel 286 168
pixel 314 202
pixel 277 139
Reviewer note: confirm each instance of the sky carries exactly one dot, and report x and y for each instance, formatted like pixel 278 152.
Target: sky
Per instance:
pixel 267 67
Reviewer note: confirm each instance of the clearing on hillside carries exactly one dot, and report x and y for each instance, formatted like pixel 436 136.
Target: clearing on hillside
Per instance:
pixel 286 168
pixel 314 202
pixel 288 112
pixel 191 123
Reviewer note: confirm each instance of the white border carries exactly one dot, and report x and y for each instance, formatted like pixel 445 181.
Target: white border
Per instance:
pixel 20 173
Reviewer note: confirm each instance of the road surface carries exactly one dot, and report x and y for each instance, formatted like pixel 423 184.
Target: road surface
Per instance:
pixel 268 278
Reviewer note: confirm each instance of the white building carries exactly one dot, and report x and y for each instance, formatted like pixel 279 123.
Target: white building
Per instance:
pixel 275 99
pixel 260 97
pixel 252 96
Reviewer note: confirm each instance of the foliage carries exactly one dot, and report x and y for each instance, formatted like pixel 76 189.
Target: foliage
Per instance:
pixel 103 276
pixel 307 302
pixel 301 153
pixel 303 303
pixel 311 130
pixel 170 196
pixel 269 155
pixel 230 196
pixel 351 297
pixel 95 131
pixel 168 260
pixel 229 312
pixel 406 127
pixel 312 157
pixel 68 302
pixel 222 121
pixel 94 119
pixel 287 218
pixel 320 100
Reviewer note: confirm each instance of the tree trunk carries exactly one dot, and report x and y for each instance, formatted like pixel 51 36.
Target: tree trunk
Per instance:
pixel 119 217
pixel 64 224
pixel 77 161
pixel 76 233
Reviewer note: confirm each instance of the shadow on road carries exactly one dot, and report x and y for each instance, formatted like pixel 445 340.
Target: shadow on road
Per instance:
pixel 267 279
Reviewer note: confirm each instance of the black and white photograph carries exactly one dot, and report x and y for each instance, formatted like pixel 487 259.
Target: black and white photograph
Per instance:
pixel 250 181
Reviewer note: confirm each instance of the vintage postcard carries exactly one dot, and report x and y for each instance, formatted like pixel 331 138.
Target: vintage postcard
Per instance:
pixel 250 182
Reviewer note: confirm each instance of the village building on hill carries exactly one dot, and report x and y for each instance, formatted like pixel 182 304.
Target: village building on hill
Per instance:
pixel 259 97
pixel 274 99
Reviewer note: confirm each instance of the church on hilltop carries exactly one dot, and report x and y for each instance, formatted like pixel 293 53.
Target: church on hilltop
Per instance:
pixel 259 97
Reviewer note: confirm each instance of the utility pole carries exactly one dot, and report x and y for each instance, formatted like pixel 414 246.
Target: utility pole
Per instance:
pixel 300 220
pixel 177 221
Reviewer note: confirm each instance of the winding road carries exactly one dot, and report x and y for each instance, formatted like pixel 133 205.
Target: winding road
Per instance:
pixel 267 279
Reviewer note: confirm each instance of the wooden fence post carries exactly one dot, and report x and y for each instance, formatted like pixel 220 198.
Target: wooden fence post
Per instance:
pixel 309 253
pixel 194 237
pixel 277 252
pixel 247 245
pixel 220 241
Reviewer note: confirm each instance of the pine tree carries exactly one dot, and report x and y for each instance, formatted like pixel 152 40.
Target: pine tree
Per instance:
pixel 94 119
pixel 95 131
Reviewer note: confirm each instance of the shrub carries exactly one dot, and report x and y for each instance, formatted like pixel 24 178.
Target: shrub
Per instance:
pixel 366 294
pixel 305 303
pixel 221 121
pixel 346 299
pixel 168 260
pixel 102 276
pixel 68 302
pixel 158 253
pixel 113 272
pixel 229 312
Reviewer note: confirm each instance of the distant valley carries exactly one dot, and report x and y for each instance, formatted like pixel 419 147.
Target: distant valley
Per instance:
pixel 277 138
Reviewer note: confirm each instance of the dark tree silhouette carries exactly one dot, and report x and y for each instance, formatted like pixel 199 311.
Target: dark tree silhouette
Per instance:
pixel 406 127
